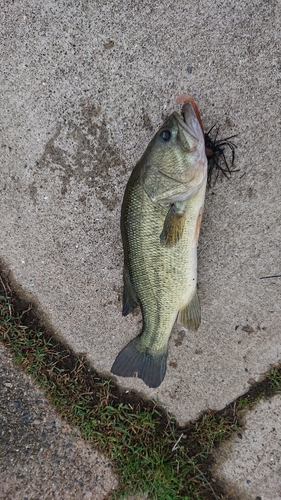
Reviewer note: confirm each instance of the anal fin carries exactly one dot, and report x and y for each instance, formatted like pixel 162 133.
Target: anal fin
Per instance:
pixel 190 315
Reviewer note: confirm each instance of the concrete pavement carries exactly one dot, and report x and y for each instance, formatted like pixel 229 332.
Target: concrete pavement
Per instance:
pixel 84 85
pixel 40 455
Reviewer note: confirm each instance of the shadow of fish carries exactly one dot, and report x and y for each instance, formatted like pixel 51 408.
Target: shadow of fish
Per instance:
pixel 160 222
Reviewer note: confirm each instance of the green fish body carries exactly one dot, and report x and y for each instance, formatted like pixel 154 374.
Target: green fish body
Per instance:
pixel 160 222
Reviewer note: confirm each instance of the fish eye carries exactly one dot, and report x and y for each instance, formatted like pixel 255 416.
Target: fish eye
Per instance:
pixel 165 135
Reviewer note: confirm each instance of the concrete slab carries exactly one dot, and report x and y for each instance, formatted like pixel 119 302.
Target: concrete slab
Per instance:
pixel 84 85
pixel 40 455
pixel 250 465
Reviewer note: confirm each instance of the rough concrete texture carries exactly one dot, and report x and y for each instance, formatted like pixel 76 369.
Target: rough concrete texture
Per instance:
pixel 84 85
pixel 250 465
pixel 40 455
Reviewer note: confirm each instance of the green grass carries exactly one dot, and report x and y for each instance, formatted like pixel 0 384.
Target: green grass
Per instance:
pixel 149 451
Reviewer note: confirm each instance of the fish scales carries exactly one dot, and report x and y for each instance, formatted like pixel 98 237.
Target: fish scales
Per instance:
pixel 164 278
pixel 160 222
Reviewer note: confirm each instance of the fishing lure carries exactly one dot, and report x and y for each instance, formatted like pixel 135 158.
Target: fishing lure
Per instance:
pixel 215 148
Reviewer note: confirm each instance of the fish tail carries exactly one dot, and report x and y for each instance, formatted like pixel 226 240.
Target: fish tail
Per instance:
pixel 135 360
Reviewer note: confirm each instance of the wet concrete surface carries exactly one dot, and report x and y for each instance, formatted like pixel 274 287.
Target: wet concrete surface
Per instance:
pixel 83 88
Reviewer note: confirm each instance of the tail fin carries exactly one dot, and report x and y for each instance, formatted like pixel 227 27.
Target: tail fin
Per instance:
pixel 138 361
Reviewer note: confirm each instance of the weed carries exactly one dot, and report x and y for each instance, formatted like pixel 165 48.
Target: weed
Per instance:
pixel 150 452
pixel 275 378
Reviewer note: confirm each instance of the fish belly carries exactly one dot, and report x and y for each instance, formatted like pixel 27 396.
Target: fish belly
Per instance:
pixel 164 278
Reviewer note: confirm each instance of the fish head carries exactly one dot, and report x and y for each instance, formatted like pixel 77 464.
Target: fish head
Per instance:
pixel 174 165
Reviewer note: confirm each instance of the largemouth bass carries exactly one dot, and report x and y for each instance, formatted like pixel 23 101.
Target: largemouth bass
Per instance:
pixel 160 223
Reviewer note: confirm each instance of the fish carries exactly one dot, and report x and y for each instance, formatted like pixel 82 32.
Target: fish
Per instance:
pixel 160 223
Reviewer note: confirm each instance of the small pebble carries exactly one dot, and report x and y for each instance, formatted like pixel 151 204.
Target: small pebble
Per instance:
pixel 25 416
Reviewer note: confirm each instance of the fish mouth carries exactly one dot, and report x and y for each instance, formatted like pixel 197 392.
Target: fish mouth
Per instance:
pixel 189 128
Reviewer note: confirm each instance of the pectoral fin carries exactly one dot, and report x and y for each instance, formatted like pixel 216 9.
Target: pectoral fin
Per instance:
pixel 190 315
pixel 130 301
pixel 173 225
